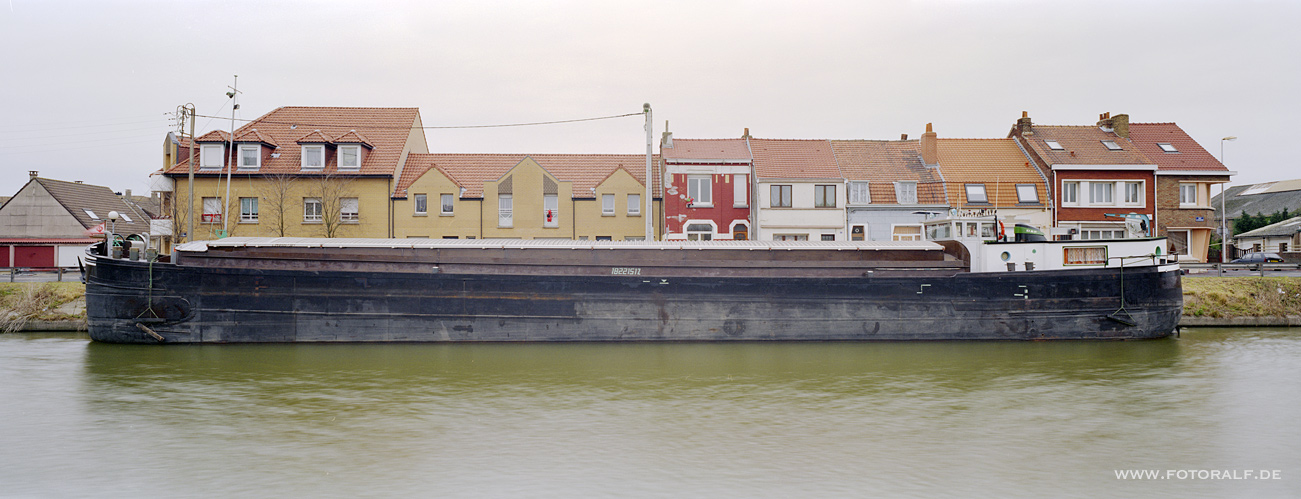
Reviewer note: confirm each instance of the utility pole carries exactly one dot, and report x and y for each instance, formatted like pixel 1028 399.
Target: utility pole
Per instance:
pixel 650 227
pixel 189 229
pixel 230 162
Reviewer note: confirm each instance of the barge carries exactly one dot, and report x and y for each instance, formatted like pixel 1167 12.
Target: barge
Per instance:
pixel 239 290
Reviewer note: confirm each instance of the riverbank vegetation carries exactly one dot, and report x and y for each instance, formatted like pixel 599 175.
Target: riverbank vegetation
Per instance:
pixel 21 303
pixel 1252 296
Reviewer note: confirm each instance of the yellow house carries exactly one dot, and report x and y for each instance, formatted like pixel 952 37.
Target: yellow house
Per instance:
pixel 513 196
pixel 295 172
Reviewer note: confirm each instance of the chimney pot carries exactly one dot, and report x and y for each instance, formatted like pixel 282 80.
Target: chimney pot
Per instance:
pixel 746 135
pixel 903 136
pixel 1025 114
pixel 31 174
pixel 128 193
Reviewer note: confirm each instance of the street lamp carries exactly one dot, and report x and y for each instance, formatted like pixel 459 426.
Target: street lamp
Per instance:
pixel 1224 214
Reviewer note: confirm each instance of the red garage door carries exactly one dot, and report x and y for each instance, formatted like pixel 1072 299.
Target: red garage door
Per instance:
pixel 4 255
pixel 33 256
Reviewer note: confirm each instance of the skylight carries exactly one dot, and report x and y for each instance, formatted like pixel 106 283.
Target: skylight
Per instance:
pixel 92 214
pixel 1054 145
pixel 1167 147
pixel 1111 145
pixel 128 219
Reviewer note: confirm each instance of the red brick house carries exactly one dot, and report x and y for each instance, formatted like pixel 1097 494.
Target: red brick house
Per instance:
pixel 706 189
pixel 1184 178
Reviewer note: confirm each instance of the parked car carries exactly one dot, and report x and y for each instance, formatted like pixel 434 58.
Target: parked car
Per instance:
pixel 1259 258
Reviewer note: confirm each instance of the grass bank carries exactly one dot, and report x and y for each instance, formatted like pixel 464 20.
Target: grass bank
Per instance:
pixel 1230 297
pixel 21 303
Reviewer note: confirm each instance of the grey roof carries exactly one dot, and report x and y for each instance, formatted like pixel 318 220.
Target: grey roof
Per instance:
pixel 77 198
pixel 1284 228
pixel 1264 203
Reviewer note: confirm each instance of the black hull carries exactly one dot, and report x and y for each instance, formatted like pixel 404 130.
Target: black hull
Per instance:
pixel 135 302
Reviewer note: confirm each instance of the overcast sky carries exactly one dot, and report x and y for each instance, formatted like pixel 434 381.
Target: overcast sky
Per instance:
pixel 88 87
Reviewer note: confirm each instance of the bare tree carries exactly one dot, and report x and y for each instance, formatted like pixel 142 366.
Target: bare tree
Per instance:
pixel 333 190
pixel 277 206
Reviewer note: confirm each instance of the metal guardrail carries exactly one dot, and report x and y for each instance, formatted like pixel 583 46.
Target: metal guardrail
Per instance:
pixel 29 274
pixel 1219 268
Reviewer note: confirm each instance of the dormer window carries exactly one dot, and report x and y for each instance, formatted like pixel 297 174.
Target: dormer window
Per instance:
pixel 313 157
pixel 1054 145
pixel 349 157
pixel 1167 147
pixel 212 156
pixel 250 155
pixel 1111 145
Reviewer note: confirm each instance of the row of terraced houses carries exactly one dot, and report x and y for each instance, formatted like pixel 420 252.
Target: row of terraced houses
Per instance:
pixel 368 172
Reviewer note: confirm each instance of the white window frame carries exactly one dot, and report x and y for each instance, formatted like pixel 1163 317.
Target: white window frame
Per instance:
pixel 1070 193
pixel 905 193
pixel 505 211
pixel 1111 145
pixel 820 191
pixel 781 196
pixel 313 147
pixel 1185 189
pixel 1102 193
pixel 697 234
pixel 1137 198
pixel 125 217
pixel 421 204
pixel 551 204
pixel 92 214
pixel 1188 246
pixel 211 210
pixel 1167 147
pixel 860 193
pixel 976 194
pixel 356 155
pixel 896 236
pixel 790 237
pixel 256 149
pixel 212 156
pixel 700 188
pixel 740 191
pixel 312 212
pixel 1054 145
pixel 446 204
pixel 607 205
pixel 349 210
pixel 247 216
pixel 1027 193
pixel 634 206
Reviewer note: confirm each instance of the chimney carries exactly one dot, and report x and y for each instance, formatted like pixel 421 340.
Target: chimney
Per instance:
pixel 1023 125
pixel 31 174
pixel 128 194
pixel 666 140
pixel 1120 123
pixel 1105 122
pixel 903 136
pixel 930 153
pixel 746 135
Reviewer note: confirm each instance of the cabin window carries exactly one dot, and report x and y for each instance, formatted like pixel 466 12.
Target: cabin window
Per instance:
pixel 211 210
pixel 634 205
pixel 505 211
pixel 250 155
pixel 906 193
pixel 349 157
pixel 348 210
pixel 906 233
pixel 1026 193
pixel 780 196
pixel 824 196
pixel 699 190
pixel 976 194
pixel 312 210
pixel 857 232
pixel 550 210
pixel 446 200
pixel 740 191
pixel 700 232
pixel 248 210
pixel 986 230
pixel 1085 255
pixel 313 157
pixel 859 193
pixel 1188 194
pixel 1070 193
pixel 212 156
pixel 422 204
pixel 935 232
pixel 607 205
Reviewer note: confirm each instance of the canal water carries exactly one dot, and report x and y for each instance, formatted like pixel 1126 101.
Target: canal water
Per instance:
pixel 82 419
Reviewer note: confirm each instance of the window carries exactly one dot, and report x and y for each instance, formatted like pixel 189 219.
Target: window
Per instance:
pixel 125 217
pixel 1086 255
pixel 604 238
pixel 1187 194
pixel 905 192
pixel 740 232
pixel 311 209
pixel 976 194
pixel 698 189
pixel 857 232
pixel 781 196
pixel 700 232
pixel 1054 145
pixel 211 210
pixel 348 210
pixel 740 191
pixel 505 211
pixel 1026 193
pixel 824 196
pixel 313 157
pixel 1070 192
pixel 349 157
pixel 906 233
pixel 1094 234
pixel 1133 192
pixel 446 200
pixel 1101 192
pixel 1167 147
pixel 250 155
pixel 790 237
pixel 634 205
pixel 550 210
pixel 212 156
pixel 422 204
pixel 1178 242
pixel 634 238
pixel 248 210
pixel 859 193
pixel 828 237
pixel 607 205
pixel 1111 145
pixel 92 214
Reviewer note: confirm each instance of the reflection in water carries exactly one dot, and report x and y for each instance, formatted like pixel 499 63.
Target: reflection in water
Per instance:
pixel 655 420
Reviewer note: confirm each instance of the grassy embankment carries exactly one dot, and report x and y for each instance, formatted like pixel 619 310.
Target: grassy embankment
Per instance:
pixel 1218 297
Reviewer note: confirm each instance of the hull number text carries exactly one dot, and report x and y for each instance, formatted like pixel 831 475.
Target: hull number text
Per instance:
pixel 625 271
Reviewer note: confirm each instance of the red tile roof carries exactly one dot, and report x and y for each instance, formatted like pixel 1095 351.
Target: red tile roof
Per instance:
pixel 1191 155
pixel 1082 145
pixel 990 162
pixel 252 135
pixel 352 137
pixel 315 137
pixel 707 149
pixel 470 171
pixel 794 159
pixel 214 136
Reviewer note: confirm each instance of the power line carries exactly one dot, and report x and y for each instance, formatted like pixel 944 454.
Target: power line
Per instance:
pixel 310 125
